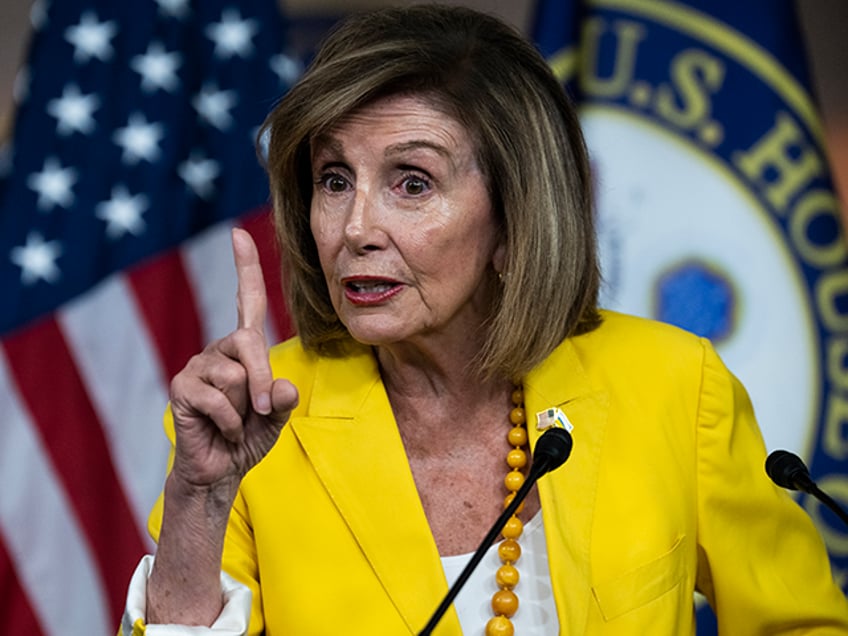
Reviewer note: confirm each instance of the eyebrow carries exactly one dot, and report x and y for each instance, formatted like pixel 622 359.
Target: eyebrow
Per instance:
pixel 327 142
pixel 415 144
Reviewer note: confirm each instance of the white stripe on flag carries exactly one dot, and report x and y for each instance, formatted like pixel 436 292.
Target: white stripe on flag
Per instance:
pixel 125 381
pixel 208 260
pixel 52 559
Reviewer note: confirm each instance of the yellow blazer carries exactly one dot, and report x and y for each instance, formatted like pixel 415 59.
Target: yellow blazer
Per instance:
pixel 664 494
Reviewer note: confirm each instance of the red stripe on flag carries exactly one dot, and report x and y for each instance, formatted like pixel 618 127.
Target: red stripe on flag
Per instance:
pixel 18 617
pixel 50 386
pixel 165 299
pixel 261 227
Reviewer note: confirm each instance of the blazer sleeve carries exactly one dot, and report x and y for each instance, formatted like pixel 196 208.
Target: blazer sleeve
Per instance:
pixel 762 564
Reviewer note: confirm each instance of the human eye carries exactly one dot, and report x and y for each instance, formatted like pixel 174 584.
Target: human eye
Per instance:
pixel 413 184
pixel 332 182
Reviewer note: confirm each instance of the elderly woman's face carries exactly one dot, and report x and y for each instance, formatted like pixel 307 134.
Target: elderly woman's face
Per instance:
pixel 404 225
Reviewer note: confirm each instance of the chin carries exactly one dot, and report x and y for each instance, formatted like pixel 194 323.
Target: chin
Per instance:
pixel 374 335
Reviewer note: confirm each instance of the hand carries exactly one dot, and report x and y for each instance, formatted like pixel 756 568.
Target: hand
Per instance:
pixel 228 409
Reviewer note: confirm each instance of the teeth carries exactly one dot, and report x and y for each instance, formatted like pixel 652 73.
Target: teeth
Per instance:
pixel 372 288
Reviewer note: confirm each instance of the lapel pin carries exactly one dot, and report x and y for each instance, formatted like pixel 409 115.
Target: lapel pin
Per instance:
pixel 552 417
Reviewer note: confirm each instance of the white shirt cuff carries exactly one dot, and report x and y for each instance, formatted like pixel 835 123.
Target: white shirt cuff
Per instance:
pixel 232 621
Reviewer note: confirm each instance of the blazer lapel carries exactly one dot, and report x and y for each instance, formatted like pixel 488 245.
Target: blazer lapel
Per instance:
pixel 568 493
pixel 351 439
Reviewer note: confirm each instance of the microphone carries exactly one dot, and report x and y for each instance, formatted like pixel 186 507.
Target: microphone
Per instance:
pixel 788 470
pixel 552 449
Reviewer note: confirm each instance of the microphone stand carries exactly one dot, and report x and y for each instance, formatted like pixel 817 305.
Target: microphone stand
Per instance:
pixel 828 501
pixel 544 464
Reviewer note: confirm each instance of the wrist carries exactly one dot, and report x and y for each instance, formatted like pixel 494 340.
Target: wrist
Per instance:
pixel 197 514
pixel 188 492
pixel 184 584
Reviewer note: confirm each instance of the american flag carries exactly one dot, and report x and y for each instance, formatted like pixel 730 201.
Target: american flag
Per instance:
pixel 131 158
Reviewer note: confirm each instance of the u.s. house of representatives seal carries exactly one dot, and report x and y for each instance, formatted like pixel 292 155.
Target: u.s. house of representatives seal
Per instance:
pixel 716 212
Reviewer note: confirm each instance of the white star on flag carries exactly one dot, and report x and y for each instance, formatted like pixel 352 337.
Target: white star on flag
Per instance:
pixel 54 185
pixel 157 68
pixel 92 38
pixel 38 14
pixel 214 106
pixel 139 139
pixel 286 68
pixel 232 35
pixel 199 173
pixel 122 212
pixel 174 8
pixel 37 259
pixel 74 111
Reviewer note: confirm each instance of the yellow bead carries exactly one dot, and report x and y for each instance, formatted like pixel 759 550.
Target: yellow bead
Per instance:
pixel 506 576
pixel 516 416
pixel 509 551
pixel 516 458
pixel 517 396
pixel 513 480
pixel 499 626
pixel 513 528
pixel 505 603
pixel 517 436
pixel 508 500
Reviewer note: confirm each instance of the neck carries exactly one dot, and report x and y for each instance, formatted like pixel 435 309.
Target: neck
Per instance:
pixel 444 377
pixel 444 406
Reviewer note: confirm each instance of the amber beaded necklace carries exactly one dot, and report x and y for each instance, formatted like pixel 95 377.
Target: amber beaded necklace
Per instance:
pixel 504 601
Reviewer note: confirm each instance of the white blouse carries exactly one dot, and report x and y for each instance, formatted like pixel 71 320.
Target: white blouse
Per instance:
pixel 536 610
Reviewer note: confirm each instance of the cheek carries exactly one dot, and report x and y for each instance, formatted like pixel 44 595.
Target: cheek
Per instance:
pixel 324 236
pixel 450 257
pixel 471 241
pixel 428 251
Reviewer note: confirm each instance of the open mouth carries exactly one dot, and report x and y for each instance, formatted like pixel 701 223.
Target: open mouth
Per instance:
pixel 369 287
pixel 370 291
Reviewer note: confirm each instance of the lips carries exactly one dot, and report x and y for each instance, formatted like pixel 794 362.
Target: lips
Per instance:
pixel 370 290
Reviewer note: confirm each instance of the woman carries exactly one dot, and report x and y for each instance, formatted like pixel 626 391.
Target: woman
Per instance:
pixel 432 199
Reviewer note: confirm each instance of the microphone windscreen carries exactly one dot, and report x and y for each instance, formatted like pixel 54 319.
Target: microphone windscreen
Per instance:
pixel 786 469
pixel 552 449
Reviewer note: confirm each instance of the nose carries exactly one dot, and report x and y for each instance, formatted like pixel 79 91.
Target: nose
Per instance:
pixel 363 230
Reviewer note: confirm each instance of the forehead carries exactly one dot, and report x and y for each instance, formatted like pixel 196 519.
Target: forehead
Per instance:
pixel 401 122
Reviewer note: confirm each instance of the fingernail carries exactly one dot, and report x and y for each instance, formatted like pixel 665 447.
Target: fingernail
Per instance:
pixel 263 403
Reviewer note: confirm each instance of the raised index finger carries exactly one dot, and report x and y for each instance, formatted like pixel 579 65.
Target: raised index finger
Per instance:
pixel 252 303
pixel 251 299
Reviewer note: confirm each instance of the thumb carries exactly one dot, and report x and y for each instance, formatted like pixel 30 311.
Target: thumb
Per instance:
pixel 284 399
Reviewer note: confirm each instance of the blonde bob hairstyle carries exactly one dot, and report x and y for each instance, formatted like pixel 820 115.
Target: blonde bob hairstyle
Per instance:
pixel 490 79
